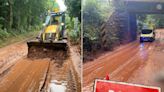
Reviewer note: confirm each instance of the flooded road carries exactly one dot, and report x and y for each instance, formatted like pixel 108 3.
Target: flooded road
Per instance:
pixel 140 63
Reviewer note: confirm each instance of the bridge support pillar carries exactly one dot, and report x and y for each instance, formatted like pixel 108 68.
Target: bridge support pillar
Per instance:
pixel 132 26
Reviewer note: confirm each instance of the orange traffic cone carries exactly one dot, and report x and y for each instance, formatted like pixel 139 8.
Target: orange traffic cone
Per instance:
pixel 107 77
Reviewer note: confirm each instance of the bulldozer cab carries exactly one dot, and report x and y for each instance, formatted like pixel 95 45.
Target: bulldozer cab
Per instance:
pixel 57 21
pixel 54 26
pixel 52 20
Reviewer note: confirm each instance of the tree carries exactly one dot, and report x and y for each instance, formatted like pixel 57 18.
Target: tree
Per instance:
pixel 74 8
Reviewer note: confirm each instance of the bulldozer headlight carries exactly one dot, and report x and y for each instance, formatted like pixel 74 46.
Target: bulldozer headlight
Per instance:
pixel 62 24
pixel 44 24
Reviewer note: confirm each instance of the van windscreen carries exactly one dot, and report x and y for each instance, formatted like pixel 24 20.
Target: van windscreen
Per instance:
pixel 146 31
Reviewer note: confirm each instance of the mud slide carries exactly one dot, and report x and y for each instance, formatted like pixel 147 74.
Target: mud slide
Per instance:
pixel 21 74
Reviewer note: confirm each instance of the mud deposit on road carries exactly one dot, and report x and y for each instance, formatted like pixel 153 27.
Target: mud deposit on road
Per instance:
pixel 10 54
pixel 55 54
pixel 62 75
pixel 26 75
pixel 139 63
pixel 41 71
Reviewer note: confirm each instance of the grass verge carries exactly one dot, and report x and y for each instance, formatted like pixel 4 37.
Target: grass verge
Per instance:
pixel 17 38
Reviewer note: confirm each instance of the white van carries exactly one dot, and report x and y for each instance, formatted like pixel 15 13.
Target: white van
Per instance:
pixel 147 35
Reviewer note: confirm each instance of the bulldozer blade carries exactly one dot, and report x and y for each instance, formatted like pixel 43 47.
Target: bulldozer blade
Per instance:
pixel 53 50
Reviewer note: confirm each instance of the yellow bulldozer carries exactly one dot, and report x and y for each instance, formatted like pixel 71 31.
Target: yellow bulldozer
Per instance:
pixel 52 40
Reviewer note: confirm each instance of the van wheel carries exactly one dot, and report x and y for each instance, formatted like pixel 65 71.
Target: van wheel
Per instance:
pixel 152 39
pixel 141 41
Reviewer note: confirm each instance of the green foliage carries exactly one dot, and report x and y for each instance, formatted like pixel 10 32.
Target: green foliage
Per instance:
pixel 74 11
pixel 74 35
pixel 74 8
pixel 140 20
pixel 158 20
pixel 21 14
pixel 4 34
pixel 69 23
pixel 106 9
pixel 18 17
pixel 119 5
pixel 95 13
pixel 92 19
pixel 151 21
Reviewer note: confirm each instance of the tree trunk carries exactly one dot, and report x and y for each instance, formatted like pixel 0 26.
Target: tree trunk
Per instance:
pixel 10 13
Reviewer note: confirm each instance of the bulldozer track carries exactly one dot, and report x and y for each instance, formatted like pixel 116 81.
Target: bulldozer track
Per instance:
pixel 42 87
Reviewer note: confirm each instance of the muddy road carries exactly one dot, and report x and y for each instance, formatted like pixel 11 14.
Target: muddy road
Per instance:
pixel 21 74
pixel 140 63
pixel 25 75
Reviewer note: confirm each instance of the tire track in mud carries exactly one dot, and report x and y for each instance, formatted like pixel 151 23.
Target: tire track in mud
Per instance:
pixel 76 83
pixel 90 64
pixel 110 64
pixel 29 75
pixel 33 74
pixel 89 67
pixel 127 68
pixel 62 72
pixel 17 51
pixel 22 74
pixel 140 68
pixel 123 73
pixel 20 77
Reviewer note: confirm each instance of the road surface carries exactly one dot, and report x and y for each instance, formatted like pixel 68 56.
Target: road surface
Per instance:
pixel 21 74
pixel 140 63
pixel 26 75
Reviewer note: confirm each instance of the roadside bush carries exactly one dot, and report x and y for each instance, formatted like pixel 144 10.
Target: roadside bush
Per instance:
pixel 74 36
pixel 3 33
pixel 73 33
pixel 92 20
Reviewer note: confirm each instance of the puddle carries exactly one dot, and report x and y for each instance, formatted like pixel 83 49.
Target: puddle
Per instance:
pixel 160 77
pixel 57 86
